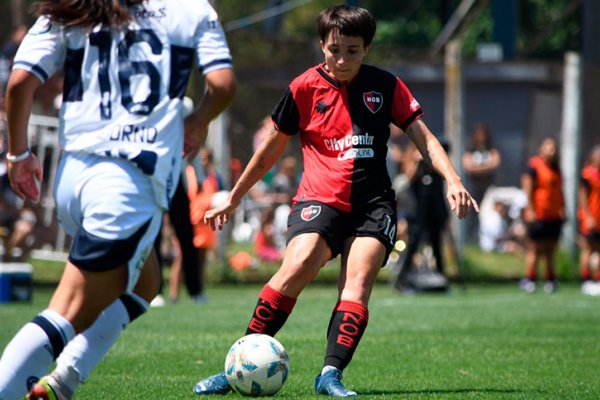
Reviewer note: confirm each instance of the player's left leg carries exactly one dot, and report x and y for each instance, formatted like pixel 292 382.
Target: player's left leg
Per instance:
pixel 595 248
pixel 77 301
pixel 86 350
pixel 361 261
pixel 548 250
pixel 305 255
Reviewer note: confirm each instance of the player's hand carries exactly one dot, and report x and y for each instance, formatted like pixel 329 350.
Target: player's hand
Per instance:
pixel 460 199
pixel 529 214
pixel 195 135
pixel 590 222
pixel 24 176
pixel 219 216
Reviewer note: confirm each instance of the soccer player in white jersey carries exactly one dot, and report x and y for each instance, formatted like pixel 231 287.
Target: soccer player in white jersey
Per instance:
pixel 126 66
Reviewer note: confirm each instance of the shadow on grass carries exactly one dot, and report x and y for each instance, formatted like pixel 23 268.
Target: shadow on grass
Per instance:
pixel 469 391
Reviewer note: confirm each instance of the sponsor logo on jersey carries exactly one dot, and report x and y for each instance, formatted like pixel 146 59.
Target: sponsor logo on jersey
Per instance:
pixel 414 105
pixel 322 107
pixel 356 153
pixel 142 13
pixel 309 213
pixel 349 141
pixel 373 101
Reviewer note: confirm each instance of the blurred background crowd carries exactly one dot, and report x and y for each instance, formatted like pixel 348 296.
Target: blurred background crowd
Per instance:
pixel 514 89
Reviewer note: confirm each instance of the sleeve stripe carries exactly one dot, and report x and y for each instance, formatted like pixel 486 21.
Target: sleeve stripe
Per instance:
pixel 224 62
pixel 33 68
pixel 414 116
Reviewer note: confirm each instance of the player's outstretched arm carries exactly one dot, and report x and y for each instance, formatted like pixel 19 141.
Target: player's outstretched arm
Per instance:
pixel 262 161
pixel 25 168
pixel 458 197
pixel 220 89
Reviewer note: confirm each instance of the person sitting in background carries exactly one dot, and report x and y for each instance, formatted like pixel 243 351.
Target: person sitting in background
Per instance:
pixel 19 240
pixel 588 214
pixel 480 162
pixel 285 182
pixel 496 230
pixel 265 244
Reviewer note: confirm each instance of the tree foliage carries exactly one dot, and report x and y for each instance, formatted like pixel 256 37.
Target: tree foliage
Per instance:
pixel 407 29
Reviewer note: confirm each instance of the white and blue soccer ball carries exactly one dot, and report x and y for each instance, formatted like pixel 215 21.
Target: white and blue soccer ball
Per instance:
pixel 257 365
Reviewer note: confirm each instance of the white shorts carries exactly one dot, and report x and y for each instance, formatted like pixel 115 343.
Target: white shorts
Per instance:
pixel 108 206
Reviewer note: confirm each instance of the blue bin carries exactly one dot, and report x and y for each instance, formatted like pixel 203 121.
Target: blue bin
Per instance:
pixel 16 283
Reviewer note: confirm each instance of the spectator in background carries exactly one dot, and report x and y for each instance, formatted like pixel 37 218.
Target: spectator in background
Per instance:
pixel 270 239
pixel 9 49
pixel 589 222
pixel 6 192
pixel 427 219
pixel 497 232
pixel 480 161
pixel 285 182
pixel 202 184
pixel 544 213
pixel 265 243
pixel 178 241
pixel 178 232
pixel 277 193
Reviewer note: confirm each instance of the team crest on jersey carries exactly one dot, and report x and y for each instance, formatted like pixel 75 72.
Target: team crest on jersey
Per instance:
pixel 373 101
pixel 311 212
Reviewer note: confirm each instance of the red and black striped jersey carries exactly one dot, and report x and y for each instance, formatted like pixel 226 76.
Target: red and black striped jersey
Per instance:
pixel 344 132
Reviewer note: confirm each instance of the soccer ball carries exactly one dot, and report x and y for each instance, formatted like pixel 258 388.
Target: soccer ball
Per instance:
pixel 257 365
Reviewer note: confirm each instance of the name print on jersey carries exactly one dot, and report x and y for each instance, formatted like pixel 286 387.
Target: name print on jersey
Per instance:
pixel 132 133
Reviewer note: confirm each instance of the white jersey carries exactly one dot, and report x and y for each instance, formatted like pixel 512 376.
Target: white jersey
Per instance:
pixel 123 90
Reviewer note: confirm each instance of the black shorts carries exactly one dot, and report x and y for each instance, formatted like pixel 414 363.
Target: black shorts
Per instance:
pixel 544 230
pixel 592 237
pixel 377 220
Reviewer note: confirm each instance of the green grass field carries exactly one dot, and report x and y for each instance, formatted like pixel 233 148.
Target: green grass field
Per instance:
pixel 485 342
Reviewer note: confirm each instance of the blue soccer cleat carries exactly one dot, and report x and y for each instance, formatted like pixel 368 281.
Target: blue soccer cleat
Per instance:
pixel 216 384
pixel 330 383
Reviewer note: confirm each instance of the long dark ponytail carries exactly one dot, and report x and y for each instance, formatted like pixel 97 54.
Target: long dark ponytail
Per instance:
pixel 86 12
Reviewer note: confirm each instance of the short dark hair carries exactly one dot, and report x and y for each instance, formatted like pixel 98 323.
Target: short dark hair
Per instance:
pixel 348 21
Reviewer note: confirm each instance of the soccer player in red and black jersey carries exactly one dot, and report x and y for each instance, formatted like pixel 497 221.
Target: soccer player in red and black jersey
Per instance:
pixel 345 205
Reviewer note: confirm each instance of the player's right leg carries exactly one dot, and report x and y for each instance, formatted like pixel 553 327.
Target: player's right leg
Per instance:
pixel 305 255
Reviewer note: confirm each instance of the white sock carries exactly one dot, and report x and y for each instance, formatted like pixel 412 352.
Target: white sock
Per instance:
pixel 327 368
pixel 87 349
pixel 30 353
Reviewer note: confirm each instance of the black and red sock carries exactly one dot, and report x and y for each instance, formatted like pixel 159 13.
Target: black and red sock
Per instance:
pixel 271 311
pixel 346 327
